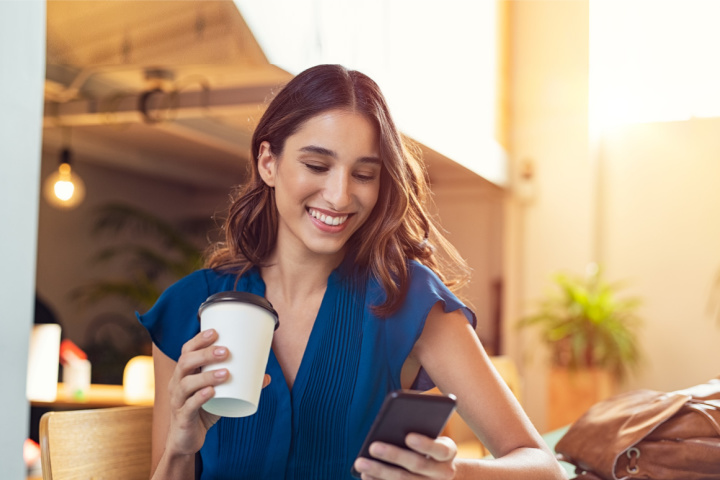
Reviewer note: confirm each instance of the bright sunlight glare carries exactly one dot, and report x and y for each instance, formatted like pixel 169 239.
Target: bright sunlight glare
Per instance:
pixel 653 61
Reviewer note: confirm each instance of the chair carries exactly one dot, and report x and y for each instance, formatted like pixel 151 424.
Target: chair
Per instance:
pixel 104 443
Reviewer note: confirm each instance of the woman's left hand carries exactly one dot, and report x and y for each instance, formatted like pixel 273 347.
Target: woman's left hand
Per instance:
pixel 427 458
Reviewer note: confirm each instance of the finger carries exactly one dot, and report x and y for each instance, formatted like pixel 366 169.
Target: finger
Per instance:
pixel 203 339
pixel 187 378
pixel 187 386
pixel 373 470
pixel 191 360
pixel 197 399
pixel 441 449
pixel 193 408
pixel 266 380
pixel 402 457
pixel 366 476
pixel 192 383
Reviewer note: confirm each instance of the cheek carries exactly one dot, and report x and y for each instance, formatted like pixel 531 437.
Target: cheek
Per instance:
pixel 370 197
pixel 297 188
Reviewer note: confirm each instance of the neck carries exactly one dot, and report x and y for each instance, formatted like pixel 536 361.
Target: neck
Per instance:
pixel 293 278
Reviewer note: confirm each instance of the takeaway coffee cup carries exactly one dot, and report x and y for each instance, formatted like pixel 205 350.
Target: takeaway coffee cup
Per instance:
pixel 245 324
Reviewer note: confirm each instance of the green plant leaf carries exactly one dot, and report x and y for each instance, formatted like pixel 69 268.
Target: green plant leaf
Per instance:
pixel 152 250
pixel 584 323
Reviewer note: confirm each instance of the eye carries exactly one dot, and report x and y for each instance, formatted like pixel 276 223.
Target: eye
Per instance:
pixel 316 168
pixel 365 177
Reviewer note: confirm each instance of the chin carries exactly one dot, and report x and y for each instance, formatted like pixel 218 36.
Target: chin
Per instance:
pixel 327 248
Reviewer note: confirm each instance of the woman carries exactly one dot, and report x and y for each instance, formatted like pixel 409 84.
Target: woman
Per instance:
pixel 333 231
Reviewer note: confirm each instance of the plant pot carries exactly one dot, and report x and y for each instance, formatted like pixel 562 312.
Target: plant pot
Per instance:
pixel 572 392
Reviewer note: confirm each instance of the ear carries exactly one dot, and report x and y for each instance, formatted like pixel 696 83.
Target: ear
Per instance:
pixel 267 164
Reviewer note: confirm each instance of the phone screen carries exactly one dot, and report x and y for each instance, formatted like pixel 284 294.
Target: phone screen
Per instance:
pixel 406 411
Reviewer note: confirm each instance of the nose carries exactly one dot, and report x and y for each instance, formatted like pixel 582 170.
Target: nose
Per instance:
pixel 337 190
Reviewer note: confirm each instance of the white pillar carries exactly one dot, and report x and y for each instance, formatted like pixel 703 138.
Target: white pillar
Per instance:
pixel 22 72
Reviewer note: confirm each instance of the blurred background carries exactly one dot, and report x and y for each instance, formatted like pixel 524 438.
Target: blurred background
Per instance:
pixel 558 135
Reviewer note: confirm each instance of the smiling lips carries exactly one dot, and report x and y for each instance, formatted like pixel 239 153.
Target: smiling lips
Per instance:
pixel 328 220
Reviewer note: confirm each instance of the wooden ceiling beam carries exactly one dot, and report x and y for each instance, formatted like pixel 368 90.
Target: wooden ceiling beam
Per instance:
pixel 157 106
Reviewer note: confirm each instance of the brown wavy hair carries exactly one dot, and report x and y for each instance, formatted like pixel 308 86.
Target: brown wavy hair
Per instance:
pixel 399 228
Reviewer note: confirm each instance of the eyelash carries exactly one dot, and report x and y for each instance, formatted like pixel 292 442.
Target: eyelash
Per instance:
pixel 323 169
pixel 365 178
pixel 316 168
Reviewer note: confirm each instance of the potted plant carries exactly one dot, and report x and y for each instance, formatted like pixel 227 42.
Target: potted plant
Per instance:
pixel 591 334
pixel 154 253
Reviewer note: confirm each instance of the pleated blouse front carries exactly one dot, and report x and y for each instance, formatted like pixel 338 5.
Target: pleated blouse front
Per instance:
pixel 352 360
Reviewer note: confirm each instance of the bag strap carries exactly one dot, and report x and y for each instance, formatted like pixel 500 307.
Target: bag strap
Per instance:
pixel 698 407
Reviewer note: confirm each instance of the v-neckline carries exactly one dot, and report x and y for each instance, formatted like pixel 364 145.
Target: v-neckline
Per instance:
pixel 310 350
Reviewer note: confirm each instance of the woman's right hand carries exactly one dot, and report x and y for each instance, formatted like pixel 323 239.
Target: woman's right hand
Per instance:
pixel 189 389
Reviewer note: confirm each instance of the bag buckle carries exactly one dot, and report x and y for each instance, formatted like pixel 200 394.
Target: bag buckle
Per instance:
pixel 633 454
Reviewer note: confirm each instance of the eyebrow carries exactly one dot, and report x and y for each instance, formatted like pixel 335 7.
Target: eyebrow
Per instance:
pixel 330 153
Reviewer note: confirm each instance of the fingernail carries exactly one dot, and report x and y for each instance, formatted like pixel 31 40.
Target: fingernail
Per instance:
pixel 413 441
pixel 361 464
pixel 208 333
pixel 220 373
pixel 219 351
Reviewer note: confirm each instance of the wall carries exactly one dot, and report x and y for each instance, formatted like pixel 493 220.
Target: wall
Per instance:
pixel 22 56
pixel 548 120
pixel 470 211
pixel 66 244
pixel 643 201
pixel 661 234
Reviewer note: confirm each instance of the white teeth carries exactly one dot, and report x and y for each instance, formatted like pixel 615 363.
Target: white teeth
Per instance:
pixel 327 219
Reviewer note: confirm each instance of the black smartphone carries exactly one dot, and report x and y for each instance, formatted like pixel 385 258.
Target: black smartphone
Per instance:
pixel 407 411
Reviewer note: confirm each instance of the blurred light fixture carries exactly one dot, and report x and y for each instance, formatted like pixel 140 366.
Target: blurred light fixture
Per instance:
pixel 139 381
pixel 43 362
pixel 64 189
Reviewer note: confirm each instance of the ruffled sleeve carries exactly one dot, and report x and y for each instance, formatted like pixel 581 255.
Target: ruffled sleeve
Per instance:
pixel 406 325
pixel 173 320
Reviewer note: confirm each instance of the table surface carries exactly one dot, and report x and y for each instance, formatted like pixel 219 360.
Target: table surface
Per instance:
pixel 98 396
pixel 552 438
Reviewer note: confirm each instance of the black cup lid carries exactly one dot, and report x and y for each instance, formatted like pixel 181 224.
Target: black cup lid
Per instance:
pixel 245 297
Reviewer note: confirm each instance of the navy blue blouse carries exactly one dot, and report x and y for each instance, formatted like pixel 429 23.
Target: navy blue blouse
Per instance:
pixel 352 360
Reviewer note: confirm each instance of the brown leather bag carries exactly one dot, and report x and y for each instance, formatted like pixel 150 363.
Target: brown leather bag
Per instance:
pixel 649 435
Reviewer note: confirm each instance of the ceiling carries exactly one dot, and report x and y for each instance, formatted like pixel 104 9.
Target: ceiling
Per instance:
pixel 171 89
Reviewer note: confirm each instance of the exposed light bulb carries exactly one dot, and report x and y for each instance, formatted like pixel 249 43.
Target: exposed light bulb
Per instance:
pixel 64 188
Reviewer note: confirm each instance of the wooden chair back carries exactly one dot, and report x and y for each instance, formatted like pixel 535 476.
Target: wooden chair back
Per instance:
pixel 104 443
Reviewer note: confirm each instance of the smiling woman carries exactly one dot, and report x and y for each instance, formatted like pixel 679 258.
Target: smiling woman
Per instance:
pixel 333 230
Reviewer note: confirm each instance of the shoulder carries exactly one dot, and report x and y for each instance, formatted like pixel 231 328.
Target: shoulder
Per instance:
pixel 428 289
pixel 195 284
pixel 423 282
pixel 417 272
pixel 425 289
pixel 207 281
pixel 173 318
pixel 419 277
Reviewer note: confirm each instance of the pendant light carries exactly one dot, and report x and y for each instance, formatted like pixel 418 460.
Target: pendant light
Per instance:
pixel 64 189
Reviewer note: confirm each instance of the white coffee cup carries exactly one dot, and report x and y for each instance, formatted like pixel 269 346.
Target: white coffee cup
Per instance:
pixel 245 324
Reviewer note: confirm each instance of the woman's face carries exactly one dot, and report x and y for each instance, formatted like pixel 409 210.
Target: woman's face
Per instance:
pixel 326 181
